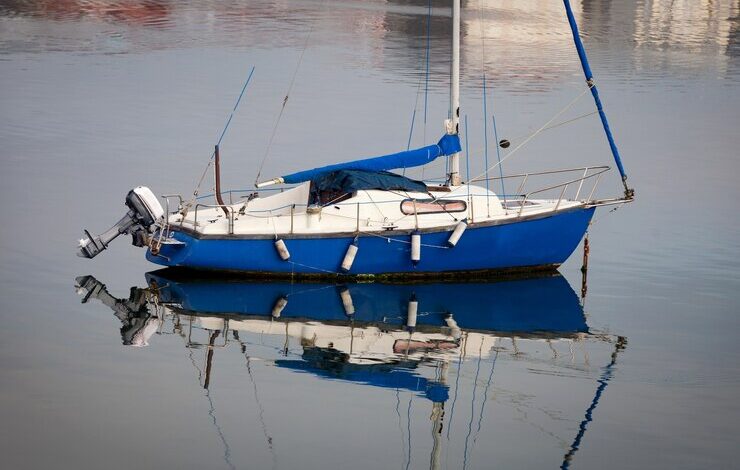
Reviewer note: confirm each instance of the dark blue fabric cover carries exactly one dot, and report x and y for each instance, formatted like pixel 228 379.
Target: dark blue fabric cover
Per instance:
pixel 447 145
pixel 349 181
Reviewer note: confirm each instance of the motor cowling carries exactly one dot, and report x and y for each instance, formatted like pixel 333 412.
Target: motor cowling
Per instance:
pixel 145 204
pixel 144 212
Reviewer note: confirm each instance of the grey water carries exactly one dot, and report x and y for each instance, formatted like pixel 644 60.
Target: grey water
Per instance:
pixel 103 369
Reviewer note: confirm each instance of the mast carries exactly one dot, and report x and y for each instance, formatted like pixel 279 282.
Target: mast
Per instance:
pixel 453 123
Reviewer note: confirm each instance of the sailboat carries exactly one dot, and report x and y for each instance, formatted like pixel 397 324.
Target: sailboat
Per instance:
pixel 358 218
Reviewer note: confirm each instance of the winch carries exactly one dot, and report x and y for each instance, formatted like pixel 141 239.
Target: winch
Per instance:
pixel 144 212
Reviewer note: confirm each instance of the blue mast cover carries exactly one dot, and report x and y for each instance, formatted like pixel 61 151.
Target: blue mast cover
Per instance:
pixel 590 80
pixel 449 144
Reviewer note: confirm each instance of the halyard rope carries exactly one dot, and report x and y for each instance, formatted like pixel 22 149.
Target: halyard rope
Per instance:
pixel 285 102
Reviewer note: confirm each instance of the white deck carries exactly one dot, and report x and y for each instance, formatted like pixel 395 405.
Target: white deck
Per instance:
pixel 367 211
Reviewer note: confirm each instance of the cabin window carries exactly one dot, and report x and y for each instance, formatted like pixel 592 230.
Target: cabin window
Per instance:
pixel 431 206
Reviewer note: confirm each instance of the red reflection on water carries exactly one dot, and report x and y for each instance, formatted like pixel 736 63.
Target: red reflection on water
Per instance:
pixel 146 13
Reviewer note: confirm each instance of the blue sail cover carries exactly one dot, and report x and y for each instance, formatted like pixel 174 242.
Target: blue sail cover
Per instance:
pixel 447 145
pixel 333 364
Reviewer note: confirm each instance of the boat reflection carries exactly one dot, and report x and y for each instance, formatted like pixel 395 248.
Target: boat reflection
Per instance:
pixel 404 337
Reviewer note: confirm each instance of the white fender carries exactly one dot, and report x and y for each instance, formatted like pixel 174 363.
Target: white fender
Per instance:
pixel 411 312
pixel 457 233
pixel 349 306
pixel 349 256
pixel 415 247
pixel 282 249
pixel 455 330
pixel 279 306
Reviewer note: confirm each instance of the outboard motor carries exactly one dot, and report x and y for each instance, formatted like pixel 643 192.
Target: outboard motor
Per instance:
pixel 144 211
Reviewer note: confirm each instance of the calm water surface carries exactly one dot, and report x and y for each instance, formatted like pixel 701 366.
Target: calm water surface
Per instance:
pixel 157 370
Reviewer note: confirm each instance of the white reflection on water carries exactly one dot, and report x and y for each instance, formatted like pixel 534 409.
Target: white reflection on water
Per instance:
pixel 683 30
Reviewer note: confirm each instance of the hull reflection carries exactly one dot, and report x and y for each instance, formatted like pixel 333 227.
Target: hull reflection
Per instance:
pixel 545 306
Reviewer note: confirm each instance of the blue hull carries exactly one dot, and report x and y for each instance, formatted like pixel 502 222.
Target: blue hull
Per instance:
pixel 546 241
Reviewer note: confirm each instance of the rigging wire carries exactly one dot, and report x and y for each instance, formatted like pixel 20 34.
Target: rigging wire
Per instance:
pixel 498 157
pixel 268 437
pixel 212 411
pixel 426 76
pixel 479 151
pixel 413 116
pixel 411 131
pixel 220 138
pixel 547 125
pixel 408 430
pixel 561 123
pixel 493 114
pixel 219 430
pixel 467 168
pixel 285 102
pixel 534 134
pixel 398 413
pixel 485 111
pixel 460 360
pixel 238 100
pixel 485 396
pixel 472 408
pixel 485 142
